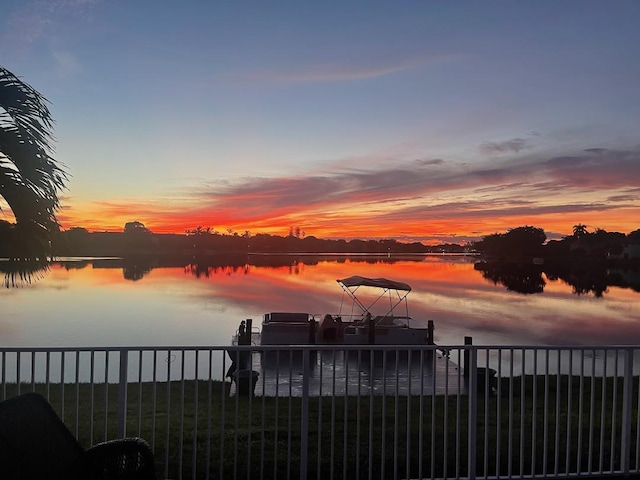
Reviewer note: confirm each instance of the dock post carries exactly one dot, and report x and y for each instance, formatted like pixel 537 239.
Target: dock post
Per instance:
pixel 467 353
pixel 247 332
pixel 312 331
pixel 242 333
pixel 430 338
pixel 372 331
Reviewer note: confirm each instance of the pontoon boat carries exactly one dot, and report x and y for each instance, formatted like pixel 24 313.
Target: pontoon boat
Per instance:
pixel 361 326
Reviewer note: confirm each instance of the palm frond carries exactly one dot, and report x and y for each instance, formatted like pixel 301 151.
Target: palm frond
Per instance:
pixel 18 273
pixel 30 178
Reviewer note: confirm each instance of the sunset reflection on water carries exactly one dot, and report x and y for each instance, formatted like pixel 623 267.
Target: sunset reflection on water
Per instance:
pixel 93 304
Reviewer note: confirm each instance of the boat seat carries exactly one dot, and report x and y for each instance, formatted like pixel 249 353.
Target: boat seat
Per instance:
pixel 286 317
pixel 384 320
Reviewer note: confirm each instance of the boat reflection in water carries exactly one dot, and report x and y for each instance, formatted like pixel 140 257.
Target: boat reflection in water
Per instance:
pixel 369 370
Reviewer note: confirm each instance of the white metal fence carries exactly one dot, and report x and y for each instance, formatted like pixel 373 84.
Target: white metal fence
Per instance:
pixel 363 412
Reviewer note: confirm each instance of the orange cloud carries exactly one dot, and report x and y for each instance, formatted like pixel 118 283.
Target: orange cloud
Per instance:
pixel 431 201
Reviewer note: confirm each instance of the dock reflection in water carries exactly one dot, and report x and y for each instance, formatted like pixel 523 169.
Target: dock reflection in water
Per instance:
pixel 339 371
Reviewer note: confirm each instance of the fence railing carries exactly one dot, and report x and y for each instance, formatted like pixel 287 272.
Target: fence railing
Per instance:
pixel 358 412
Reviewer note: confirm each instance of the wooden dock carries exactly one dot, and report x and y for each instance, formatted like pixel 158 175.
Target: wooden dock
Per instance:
pixel 344 373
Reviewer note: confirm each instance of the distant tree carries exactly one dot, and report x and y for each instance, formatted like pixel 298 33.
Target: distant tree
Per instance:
pixel 580 231
pixel 557 249
pixel 388 245
pixel 601 243
pixel 137 237
pixel 73 241
pixel 414 247
pixel 198 231
pixel 527 241
pixel 634 237
pixel 373 246
pixel 357 246
pixel 313 244
pixel 135 228
pixel 490 244
pixel 200 237
pixel 77 234
pixel 30 178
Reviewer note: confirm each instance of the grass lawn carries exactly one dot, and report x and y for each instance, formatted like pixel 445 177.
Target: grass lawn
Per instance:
pixel 196 425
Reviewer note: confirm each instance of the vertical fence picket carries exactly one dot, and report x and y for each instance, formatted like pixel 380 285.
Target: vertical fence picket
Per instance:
pixel 473 413
pixel 582 423
pixel 123 383
pixel 626 420
pixel 304 416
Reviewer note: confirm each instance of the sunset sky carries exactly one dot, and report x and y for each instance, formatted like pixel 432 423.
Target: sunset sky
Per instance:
pixel 429 121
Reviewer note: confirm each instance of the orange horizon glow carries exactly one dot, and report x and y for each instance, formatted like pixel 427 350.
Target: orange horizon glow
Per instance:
pixel 559 226
pixel 432 202
pixel 428 233
pixel 350 225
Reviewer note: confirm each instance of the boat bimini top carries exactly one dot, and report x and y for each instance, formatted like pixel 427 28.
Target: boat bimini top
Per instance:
pixel 396 292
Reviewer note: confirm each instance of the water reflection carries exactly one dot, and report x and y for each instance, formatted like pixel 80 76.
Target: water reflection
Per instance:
pixel 337 371
pixel 584 280
pixel 516 278
pixel 136 267
pixel 96 302
pixel 521 278
pixel 19 273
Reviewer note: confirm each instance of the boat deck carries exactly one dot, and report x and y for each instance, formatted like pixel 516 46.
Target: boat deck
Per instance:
pixel 340 372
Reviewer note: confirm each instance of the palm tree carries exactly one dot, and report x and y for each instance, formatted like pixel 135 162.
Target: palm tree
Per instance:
pixel 30 178
pixel 580 231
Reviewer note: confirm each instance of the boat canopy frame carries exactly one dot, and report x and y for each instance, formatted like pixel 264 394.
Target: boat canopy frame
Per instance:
pixel 350 286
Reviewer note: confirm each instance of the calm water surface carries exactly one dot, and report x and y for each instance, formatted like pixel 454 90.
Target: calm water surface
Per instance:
pixel 93 304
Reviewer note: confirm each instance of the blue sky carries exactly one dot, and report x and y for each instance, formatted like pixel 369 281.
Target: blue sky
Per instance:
pixel 422 120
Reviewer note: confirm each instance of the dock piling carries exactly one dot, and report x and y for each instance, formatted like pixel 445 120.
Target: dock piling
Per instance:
pixel 430 335
pixel 467 352
pixel 372 330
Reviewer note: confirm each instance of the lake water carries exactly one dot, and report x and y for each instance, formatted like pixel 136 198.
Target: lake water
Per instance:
pixel 103 303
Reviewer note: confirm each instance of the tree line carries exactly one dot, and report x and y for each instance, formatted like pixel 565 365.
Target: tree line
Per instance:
pixel 523 244
pixel 136 239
